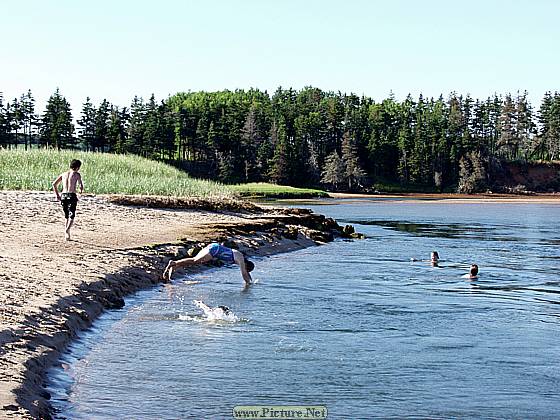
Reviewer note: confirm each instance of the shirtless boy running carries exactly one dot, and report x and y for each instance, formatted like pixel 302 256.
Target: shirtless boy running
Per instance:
pixel 70 180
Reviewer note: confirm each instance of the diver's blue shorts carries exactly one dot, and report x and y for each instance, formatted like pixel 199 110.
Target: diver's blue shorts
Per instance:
pixel 222 253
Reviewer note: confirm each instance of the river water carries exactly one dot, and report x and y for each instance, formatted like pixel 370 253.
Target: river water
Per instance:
pixel 355 326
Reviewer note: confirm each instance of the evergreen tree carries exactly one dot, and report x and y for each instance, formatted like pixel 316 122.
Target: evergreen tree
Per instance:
pixel 547 144
pixel 166 133
pixel 57 129
pixel 472 174
pixel 135 137
pixel 250 142
pixel 4 123
pixel 17 120
pixel 508 141
pixel 334 172
pixel 29 119
pixel 151 146
pixel 353 173
pixel 280 171
pixel 116 131
pixel 101 127
pixel 525 127
pixel 86 124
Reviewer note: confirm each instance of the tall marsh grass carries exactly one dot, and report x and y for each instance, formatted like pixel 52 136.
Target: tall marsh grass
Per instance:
pixel 103 173
pixel 266 190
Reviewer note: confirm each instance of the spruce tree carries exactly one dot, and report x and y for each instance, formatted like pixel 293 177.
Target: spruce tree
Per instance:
pixel 57 129
pixel 280 171
pixel 135 136
pixel 151 130
pixel 334 172
pixel 116 131
pixel 353 173
pixel 86 125
pixel 29 119
pixel 4 123
pixel 508 141
pixel 250 143
pixel 101 129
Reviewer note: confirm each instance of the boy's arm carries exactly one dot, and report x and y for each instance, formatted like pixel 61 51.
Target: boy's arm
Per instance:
pixel 55 186
pixel 81 183
pixel 244 273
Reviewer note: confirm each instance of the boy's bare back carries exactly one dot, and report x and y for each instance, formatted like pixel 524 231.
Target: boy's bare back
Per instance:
pixel 70 180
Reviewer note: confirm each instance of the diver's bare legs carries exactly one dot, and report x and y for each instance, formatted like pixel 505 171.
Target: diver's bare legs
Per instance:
pixel 201 258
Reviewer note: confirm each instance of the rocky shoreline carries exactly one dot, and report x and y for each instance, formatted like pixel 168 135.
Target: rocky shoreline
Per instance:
pixel 51 290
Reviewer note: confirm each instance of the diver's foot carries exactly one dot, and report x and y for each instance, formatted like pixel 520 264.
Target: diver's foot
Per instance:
pixel 67 236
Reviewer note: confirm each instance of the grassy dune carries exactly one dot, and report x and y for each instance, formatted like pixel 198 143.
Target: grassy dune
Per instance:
pixel 265 190
pixel 103 174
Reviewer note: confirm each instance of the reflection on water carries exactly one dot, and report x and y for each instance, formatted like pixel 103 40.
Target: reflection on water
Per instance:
pixel 353 325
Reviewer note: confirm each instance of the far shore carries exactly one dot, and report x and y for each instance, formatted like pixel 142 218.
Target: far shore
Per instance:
pixel 539 198
pixel 50 289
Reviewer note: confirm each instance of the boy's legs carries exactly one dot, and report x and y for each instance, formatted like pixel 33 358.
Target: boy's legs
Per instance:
pixel 69 223
pixel 202 257
pixel 66 208
pixel 71 214
pixel 69 203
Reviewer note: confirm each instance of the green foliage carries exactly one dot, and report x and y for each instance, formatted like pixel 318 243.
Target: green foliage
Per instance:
pixel 266 190
pixel 103 174
pixel 472 174
pixel 57 129
pixel 287 137
pixel 334 172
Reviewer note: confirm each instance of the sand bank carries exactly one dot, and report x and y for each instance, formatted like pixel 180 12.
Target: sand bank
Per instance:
pixel 50 289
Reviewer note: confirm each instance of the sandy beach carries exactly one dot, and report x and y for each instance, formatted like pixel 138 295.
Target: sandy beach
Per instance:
pixel 51 288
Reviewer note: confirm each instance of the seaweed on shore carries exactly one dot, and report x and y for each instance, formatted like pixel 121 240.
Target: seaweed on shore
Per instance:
pixel 224 204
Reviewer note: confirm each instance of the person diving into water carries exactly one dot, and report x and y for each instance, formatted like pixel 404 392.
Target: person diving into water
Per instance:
pixel 218 311
pixel 220 252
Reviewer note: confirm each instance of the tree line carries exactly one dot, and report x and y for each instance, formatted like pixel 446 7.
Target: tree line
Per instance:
pixel 304 138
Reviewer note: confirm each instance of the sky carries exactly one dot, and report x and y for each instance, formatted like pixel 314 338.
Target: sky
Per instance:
pixel 117 49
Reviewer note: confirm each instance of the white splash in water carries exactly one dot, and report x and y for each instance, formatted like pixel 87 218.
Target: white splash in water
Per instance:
pixel 218 313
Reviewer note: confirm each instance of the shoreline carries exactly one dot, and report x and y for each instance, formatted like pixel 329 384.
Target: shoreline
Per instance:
pixel 53 289
pixel 474 198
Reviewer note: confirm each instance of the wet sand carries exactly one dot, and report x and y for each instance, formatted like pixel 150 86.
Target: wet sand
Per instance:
pixel 51 288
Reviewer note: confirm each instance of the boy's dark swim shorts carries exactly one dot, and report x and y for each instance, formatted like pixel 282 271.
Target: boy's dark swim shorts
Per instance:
pixel 69 202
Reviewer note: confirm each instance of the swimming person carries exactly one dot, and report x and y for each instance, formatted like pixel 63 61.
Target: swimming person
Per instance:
pixel 220 252
pixel 473 272
pixel 70 180
pixel 434 259
pixel 218 311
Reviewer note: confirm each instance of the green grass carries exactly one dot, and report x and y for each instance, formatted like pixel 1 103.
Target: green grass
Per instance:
pixel 396 188
pixel 103 173
pixel 265 190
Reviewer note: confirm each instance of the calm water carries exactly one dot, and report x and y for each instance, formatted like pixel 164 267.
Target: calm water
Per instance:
pixel 355 326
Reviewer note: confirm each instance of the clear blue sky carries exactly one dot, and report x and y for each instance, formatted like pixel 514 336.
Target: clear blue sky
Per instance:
pixel 118 49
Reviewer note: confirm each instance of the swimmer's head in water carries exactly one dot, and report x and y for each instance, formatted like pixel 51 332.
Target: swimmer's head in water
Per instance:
pixel 434 256
pixel 474 270
pixel 249 265
pixel 224 308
